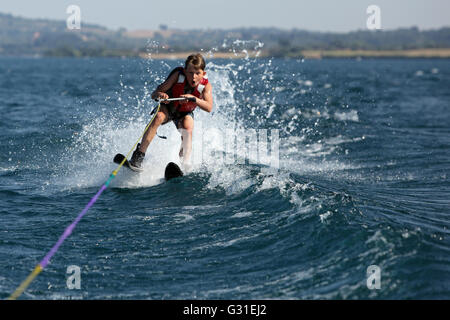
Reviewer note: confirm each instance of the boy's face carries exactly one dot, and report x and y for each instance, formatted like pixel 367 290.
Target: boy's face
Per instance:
pixel 193 75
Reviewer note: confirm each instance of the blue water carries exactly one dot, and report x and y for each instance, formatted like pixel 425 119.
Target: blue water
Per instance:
pixel 362 179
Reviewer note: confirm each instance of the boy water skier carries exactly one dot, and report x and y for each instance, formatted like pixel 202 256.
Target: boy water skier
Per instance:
pixel 188 82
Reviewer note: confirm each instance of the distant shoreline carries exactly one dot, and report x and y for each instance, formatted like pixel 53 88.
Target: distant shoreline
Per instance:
pixel 414 53
pixel 208 55
pixel 51 38
pixel 443 53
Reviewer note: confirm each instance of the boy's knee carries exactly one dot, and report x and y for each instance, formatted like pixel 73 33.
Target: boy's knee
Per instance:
pixel 160 117
pixel 186 130
pixel 188 124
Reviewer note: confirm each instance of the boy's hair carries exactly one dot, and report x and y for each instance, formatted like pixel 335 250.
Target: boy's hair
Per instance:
pixel 196 60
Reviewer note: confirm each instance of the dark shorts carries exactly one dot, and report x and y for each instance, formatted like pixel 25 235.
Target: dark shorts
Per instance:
pixel 176 116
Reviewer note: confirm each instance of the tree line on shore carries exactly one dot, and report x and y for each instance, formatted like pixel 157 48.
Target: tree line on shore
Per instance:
pixel 22 36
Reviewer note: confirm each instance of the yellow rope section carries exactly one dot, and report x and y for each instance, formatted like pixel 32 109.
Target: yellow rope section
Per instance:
pixel 25 283
pixel 140 138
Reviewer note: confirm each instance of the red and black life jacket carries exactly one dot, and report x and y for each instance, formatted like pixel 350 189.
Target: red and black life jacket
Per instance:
pixel 179 87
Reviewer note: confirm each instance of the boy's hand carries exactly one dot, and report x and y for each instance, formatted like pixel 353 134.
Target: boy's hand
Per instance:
pixel 162 95
pixel 187 96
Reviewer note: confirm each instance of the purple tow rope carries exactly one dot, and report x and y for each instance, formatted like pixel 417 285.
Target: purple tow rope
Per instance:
pixel 72 226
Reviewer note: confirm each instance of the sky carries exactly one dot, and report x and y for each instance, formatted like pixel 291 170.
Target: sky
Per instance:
pixel 314 15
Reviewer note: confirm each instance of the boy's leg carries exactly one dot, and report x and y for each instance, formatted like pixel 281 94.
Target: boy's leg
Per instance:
pixel 138 155
pixel 186 127
pixel 161 117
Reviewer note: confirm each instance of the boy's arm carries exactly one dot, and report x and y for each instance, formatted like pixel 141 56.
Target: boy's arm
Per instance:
pixel 160 91
pixel 207 102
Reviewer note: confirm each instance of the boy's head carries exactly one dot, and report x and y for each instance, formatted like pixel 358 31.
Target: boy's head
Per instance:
pixel 194 68
pixel 196 60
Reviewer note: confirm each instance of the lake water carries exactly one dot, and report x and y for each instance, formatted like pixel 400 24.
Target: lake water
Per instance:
pixel 359 178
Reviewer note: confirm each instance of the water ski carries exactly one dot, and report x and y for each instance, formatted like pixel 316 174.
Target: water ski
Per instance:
pixel 120 157
pixel 172 171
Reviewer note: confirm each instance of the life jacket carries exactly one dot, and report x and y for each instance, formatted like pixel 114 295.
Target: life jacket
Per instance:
pixel 178 89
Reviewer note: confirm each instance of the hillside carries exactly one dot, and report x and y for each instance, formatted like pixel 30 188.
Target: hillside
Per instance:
pixel 22 36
